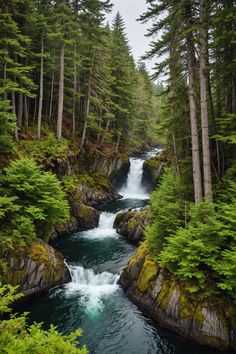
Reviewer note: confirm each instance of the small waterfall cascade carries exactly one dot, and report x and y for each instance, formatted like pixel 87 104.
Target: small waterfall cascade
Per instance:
pixel 104 229
pixel 91 287
pixel 133 189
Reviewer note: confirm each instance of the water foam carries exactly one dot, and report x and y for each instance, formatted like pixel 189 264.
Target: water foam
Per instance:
pixel 91 287
pixel 133 189
pixel 104 230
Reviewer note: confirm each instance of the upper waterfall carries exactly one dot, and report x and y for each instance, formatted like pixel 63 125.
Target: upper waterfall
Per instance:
pixel 133 189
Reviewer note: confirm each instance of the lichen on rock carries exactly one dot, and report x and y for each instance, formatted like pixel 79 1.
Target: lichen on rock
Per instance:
pixel 165 298
pixel 35 269
pixel 131 224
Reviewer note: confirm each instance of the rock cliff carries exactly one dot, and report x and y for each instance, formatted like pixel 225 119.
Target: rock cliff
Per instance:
pixel 152 170
pixel 164 298
pixel 35 269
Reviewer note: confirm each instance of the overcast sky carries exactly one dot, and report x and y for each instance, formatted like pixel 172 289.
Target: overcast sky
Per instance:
pixel 130 10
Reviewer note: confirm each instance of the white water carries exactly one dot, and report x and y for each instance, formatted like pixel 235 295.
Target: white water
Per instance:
pixel 153 152
pixel 104 229
pixel 92 288
pixel 133 188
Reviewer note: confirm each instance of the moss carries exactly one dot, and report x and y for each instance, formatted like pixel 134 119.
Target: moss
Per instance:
pixel 38 254
pixel 85 212
pixel 188 310
pixel 167 290
pixel 131 224
pixel 140 253
pixel 148 270
pixel 123 157
pixel 13 278
pixel 95 181
pixel 119 218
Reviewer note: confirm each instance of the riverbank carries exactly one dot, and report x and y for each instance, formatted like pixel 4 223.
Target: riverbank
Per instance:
pixel 159 294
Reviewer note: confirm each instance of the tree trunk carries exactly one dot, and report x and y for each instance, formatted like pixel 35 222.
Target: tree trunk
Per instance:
pixel 13 103
pixel 106 130
pixel 118 142
pixel 86 113
pixel 234 97
pixel 175 153
pixel 51 98
pixel 5 77
pixel 61 93
pixel 74 98
pixel 193 121
pixel 20 109
pixel 100 125
pixel 26 113
pixel 204 108
pixel 40 92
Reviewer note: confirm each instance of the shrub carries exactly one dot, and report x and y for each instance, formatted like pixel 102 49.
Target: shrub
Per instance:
pixel 44 149
pixel 167 211
pixel 193 252
pixel 32 199
pixel 16 336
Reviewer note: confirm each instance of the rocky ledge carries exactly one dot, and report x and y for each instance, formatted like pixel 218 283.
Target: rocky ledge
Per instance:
pixel 153 169
pixel 35 269
pixel 131 224
pixel 164 298
pixel 82 217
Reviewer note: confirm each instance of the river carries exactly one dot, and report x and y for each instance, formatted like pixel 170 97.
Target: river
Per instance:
pixel 93 300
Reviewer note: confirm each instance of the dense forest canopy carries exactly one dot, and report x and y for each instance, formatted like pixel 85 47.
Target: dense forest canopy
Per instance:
pixel 63 67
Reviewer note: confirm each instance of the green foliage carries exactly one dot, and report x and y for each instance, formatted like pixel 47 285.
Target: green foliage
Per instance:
pixel 193 252
pixel 70 183
pixel 31 198
pixel 167 211
pixel 16 336
pixel 203 252
pixel 46 149
pixel 7 127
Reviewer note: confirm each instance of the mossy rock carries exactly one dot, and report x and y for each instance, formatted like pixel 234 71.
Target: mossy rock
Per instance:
pixel 165 298
pixel 147 273
pixel 132 224
pixel 35 269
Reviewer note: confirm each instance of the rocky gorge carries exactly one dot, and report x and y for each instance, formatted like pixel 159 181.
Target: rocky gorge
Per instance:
pixel 40 267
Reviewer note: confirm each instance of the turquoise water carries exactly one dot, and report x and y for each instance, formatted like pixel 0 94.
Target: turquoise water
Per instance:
pixel 95 302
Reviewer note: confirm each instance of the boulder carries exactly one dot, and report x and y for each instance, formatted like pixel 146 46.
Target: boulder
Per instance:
pixel 157 292
pixel 35 269
pixel 131 224
pixel 82 218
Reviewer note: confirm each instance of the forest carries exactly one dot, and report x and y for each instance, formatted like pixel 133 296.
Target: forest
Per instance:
pixel 70 90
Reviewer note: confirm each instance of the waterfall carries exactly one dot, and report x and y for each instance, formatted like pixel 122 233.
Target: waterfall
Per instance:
pixel 133 188
pixel 91 287
pixel 104 229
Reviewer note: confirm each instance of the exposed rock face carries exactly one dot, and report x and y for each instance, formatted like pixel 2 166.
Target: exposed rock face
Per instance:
pixel 35 269
pixel 131 224
pixel 82 218
pixel 110 165
pixel 152 170
pixel 97 174
pixel 165 299
pixel 94 195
